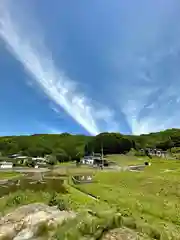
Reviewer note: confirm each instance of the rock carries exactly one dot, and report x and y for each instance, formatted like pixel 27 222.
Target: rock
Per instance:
pixel 120 234
pixel 23 223
pixel 7 232
pixel 25 234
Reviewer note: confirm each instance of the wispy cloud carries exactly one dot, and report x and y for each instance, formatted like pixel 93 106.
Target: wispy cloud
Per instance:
pixel 142 53
pixel 149 96
pixel 24 45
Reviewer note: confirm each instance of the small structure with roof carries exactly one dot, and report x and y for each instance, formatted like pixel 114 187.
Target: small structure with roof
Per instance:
pixel 6 165
pixel 87 160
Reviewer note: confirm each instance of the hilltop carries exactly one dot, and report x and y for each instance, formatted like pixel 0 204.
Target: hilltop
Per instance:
pixel 71 147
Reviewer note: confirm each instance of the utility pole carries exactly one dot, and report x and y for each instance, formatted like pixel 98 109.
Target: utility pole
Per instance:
pixel 102 155
pixel 93 152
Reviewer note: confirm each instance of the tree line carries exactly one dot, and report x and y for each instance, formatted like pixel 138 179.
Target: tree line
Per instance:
pixel 67 147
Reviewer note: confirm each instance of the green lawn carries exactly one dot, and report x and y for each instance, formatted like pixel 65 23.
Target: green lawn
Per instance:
pixel 9 175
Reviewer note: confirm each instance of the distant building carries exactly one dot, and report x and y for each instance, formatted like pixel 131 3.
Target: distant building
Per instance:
pixel 6 165
pixel 87 160
pixel 21 157
pixel 41 164
pixel 95 160
pixel 14 155
pixel 156 152
pixel 39 159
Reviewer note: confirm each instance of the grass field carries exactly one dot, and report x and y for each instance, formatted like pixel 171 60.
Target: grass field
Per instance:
pixel 146 202
pixel 151 197
pixel 73 170
pixel 9 175
pixel 126 161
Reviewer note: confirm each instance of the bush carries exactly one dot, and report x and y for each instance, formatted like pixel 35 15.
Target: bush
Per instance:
pixel 139 154
pixel 60 203
pixel 16 200
pixel 51 160
pixel 53 200
pixel 175 150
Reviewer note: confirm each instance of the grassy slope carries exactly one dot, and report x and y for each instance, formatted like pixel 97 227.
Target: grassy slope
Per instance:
pixel 150 197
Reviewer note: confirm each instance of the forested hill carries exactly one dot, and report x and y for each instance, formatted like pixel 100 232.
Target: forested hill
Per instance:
pixel 74 146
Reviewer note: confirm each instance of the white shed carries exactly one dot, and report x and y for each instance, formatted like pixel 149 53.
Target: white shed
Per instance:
pixel 6 165
pixel 88 160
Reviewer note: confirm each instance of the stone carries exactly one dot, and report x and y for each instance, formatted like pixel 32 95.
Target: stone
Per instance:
pixel 25 234
pixel 7 232
pixel 22 223
pixel 120 234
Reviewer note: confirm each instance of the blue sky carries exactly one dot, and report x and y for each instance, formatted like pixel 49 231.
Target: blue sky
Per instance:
pixel 89 66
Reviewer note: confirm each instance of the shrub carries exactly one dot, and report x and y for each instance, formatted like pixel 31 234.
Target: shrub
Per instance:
pixel 53 200
pixel 16 200
pixel 60 203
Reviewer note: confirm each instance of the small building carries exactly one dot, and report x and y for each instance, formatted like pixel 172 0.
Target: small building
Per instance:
pixel 155 152
pixel 95 160
pixel 21 157
pixel 88 160
pixel 39 159
pixel 41 164
pixel 6 165
pixel 14 155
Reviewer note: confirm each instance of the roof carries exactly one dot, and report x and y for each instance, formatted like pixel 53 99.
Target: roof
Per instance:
pixel 38 158
pixel 6 163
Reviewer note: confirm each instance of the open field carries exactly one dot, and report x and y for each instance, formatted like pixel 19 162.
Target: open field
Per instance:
pixel 73 170
pixel 151 197
pixel 9 175
pixel 145 203
pixel 122 160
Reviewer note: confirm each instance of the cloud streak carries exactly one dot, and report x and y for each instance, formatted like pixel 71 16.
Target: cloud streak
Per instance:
pixel 150 66
pixel 38 62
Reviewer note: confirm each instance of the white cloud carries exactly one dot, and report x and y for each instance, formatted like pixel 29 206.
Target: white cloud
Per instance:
pixel 23 43
pixel 149 96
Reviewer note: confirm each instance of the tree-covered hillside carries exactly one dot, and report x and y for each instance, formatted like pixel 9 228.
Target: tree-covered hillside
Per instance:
pixel 67 146
pixel 41 144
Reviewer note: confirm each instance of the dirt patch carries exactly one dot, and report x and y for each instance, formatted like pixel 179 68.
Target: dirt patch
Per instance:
pixel 123 234
pixel 120 234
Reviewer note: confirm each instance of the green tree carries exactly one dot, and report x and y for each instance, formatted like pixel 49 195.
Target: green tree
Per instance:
pixel 61 155
pixel 112 143
pixel 30 162
pixel 51 160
